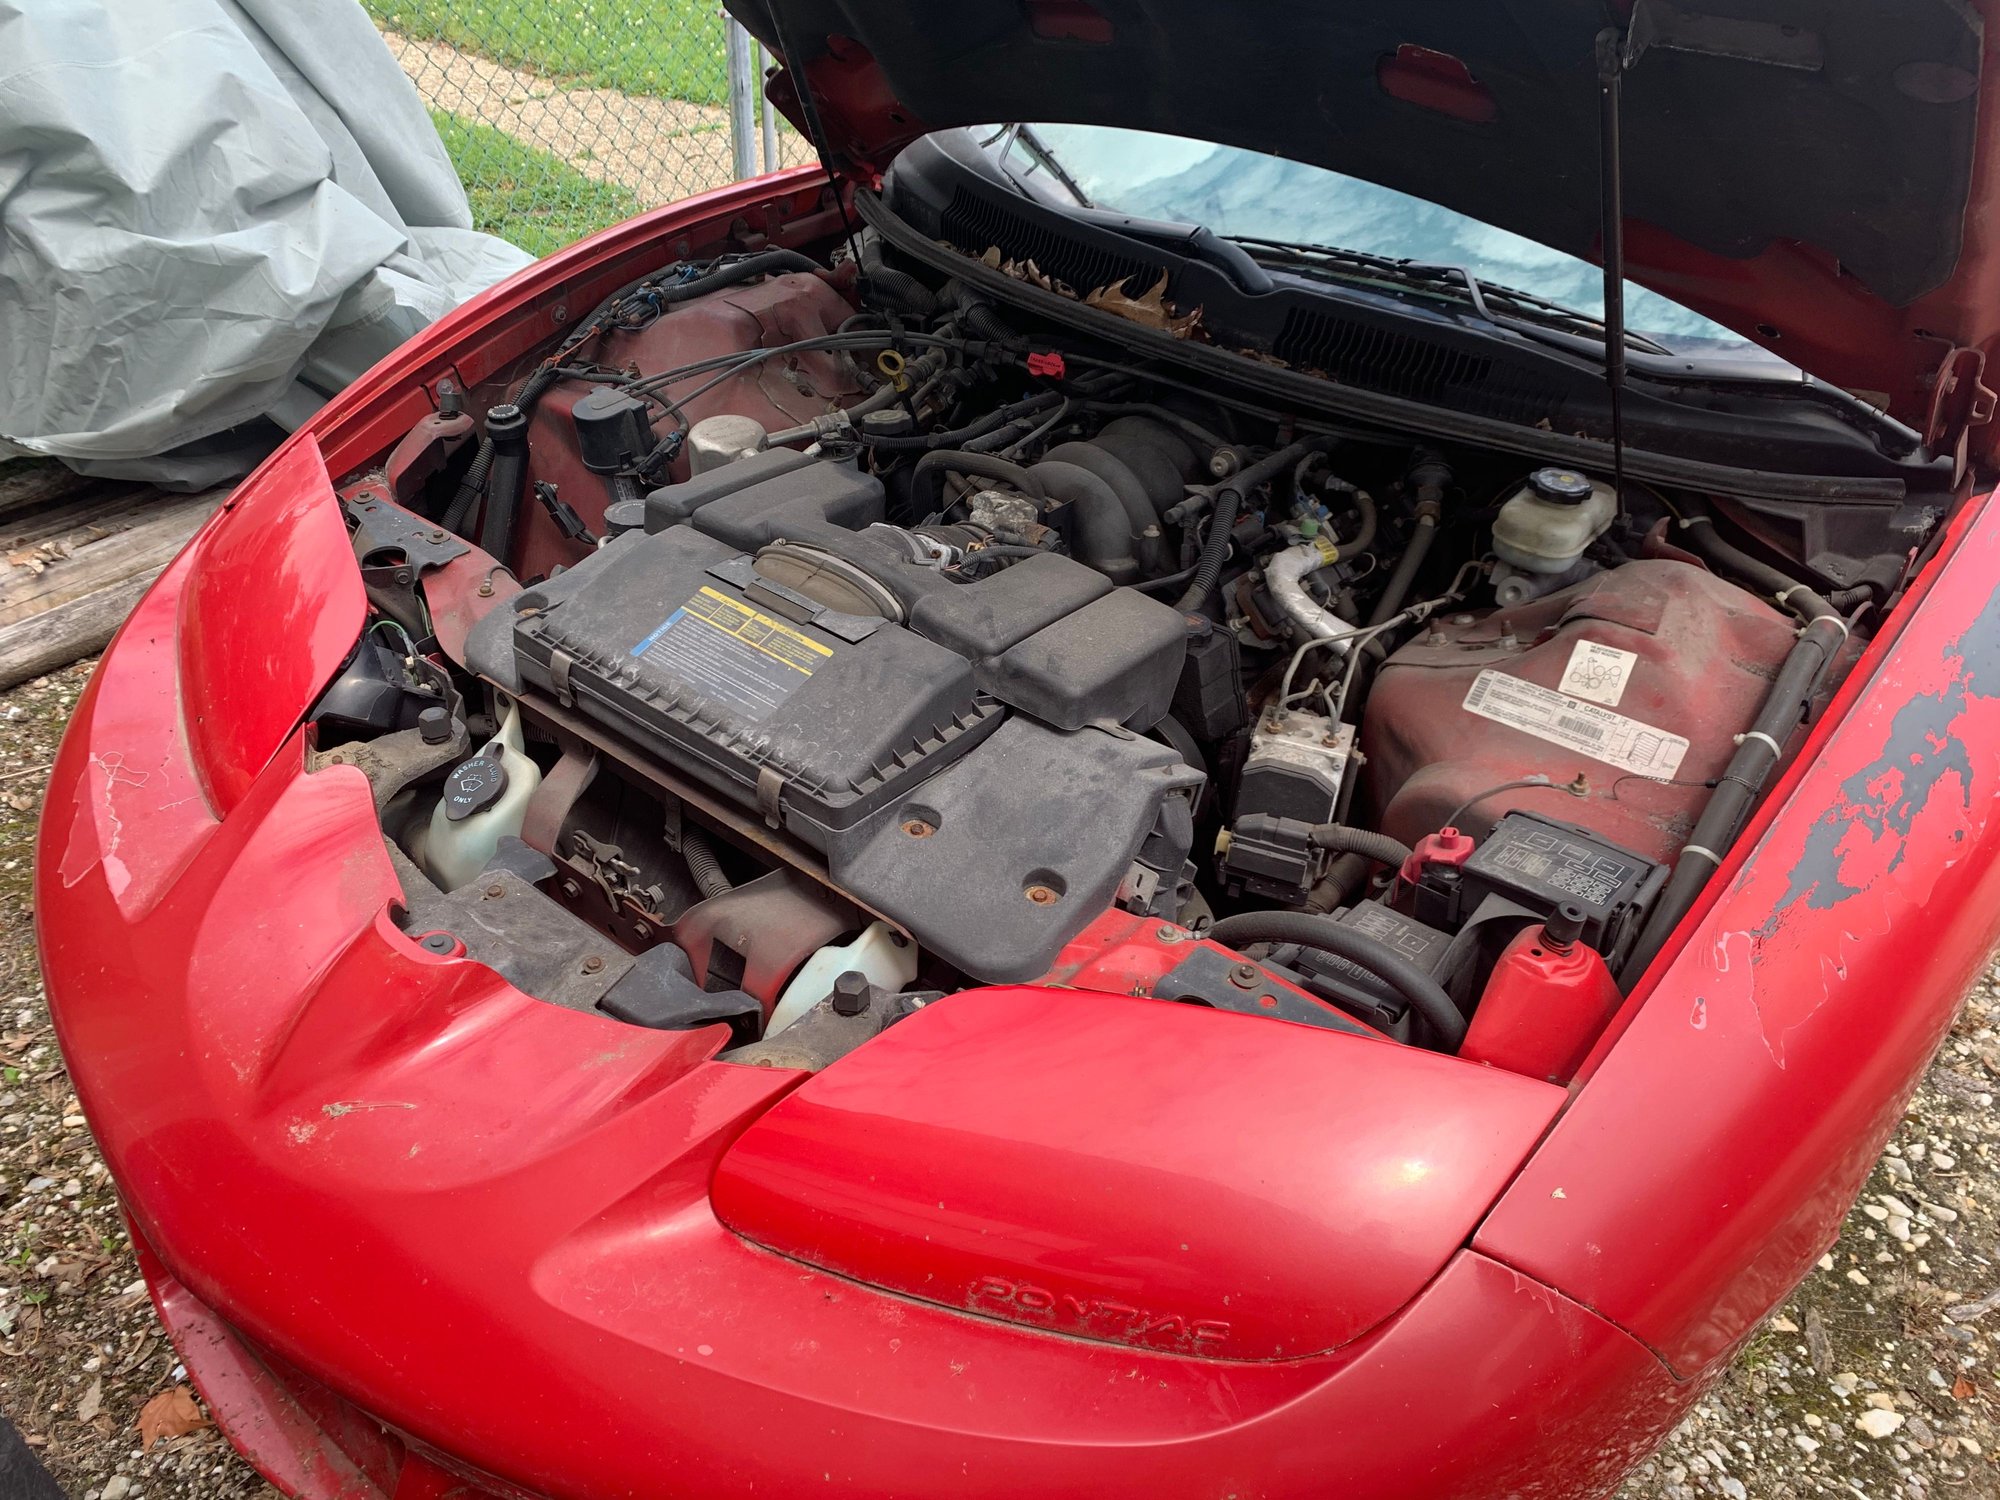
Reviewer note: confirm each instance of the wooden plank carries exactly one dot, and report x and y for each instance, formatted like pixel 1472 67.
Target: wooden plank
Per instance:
pixel 96 510
pixel 68 632
pixel 102 552
pixel 36 484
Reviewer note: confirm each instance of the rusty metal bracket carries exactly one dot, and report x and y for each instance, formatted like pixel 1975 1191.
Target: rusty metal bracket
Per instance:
pixel 1960 401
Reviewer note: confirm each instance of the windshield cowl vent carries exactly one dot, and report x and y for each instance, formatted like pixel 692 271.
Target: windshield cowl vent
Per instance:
pixel 1417 369
pixel 975 226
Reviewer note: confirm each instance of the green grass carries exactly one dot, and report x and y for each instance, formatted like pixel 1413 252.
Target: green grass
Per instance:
pixel 536 200
pixel 669 49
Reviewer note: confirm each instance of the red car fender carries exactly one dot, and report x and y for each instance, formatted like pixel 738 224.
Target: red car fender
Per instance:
pixel 1755 1082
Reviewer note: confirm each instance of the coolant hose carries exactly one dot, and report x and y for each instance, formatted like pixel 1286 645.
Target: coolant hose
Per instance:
pixel 1229 497
pixel 1397 589
pixel 703 865
pixel 1430 478
pixel 1698 531
pixel 1325 935
pixel 1757 752
pixel 1363 841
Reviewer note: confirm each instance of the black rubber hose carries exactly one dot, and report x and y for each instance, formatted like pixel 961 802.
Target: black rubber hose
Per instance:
pixel 1103 534
pixel 974 314
pixel 931 442
pixel 763 263
pixel 1429 477
pixel 1757 753
pixel 1363 841
pixel 703 865
pixel 1425 995
pixel 1697 529
pixel 1364 534
pixel 507 434
pixel 1214 551
pixel 1397 589
pixel 899 289
pixel 1229 497
pixel 927 476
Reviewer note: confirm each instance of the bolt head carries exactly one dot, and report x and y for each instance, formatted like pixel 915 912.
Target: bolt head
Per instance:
pixel 1041 895
pixel 593 964
pixel 1245 976
pixel 850 993
pixel 495 891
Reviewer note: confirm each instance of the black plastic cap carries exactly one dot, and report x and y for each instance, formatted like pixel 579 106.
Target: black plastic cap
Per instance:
pixel 1565 925
pixel 434 725
pixel 473 785
pixel 850 993
pixel 506 423
pixel 1560 486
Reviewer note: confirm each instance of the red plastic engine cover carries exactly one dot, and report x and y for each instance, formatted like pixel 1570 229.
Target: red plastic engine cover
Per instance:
pixel 1705 652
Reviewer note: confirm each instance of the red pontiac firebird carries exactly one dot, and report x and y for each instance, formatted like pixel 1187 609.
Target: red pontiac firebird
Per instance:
pixel 1160 803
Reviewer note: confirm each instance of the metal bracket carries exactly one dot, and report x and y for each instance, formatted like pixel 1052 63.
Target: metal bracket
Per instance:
pixel 1210 976
pixel 1960 401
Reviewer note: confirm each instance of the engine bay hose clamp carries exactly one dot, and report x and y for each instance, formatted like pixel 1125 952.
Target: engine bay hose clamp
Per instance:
pixel 1758 734
pixel 1708 854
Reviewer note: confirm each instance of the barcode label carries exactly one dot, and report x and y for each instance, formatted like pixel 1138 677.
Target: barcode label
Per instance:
pixel 1562 720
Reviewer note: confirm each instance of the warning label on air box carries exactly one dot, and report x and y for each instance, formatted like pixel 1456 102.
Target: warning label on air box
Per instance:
pixel 1570 722
pixel 731 654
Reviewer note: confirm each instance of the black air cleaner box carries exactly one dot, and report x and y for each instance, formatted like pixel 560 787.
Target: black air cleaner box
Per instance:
pixel 812 716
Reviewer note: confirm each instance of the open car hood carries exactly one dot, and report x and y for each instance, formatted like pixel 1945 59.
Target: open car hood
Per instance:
pixel 1817 176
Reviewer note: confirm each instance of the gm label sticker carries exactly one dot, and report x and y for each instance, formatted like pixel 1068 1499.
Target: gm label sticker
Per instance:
pixel 732 655
pixel 1598 672
pixel 1576 725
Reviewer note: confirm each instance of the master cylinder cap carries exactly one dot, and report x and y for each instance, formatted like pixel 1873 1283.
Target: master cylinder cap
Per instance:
pixel 1560 486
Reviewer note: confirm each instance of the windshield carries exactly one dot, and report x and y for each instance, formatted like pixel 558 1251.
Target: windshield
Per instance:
pixel 1248 194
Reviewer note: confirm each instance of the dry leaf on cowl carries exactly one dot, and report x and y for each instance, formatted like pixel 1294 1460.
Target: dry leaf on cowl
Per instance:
pixel 1149 309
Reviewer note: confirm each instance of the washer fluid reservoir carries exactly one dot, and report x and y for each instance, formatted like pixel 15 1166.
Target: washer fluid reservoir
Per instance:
pixel 485 800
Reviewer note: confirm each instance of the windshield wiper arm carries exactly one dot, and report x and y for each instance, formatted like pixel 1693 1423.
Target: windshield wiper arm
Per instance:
pixel 1479 295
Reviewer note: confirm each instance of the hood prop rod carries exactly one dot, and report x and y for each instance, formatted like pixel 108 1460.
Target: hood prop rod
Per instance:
pixel 795 66
pixel 1611 64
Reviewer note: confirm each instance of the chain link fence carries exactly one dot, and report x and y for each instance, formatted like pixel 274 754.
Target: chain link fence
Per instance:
pixel 564 116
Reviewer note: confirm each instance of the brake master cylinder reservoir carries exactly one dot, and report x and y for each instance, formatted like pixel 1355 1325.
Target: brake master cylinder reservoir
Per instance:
pixel 485 800
pixel 1542 529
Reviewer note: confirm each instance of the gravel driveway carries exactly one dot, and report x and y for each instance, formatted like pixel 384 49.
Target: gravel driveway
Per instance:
pixel 1875 1381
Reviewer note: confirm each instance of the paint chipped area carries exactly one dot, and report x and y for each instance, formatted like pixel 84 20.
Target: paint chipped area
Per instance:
pixel 1887 832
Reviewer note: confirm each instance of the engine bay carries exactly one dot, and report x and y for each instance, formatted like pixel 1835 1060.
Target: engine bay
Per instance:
pixel 797 640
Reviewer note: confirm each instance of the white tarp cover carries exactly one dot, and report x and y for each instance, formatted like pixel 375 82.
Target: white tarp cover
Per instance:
pixel 213 215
